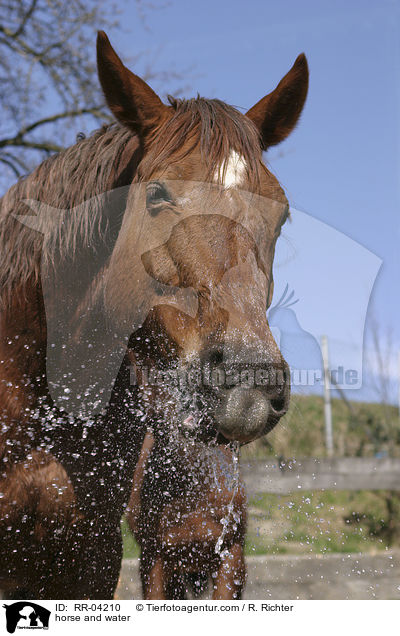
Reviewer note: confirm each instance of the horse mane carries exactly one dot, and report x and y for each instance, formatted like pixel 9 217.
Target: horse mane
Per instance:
pixel 89 168
pixel 64 181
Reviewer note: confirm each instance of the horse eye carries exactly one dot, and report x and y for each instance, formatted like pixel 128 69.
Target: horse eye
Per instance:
pixel 157 193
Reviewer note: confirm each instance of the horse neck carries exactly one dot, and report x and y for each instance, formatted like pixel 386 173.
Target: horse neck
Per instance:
pixel 22 364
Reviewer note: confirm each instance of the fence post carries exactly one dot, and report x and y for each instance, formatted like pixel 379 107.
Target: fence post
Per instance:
pixel 398 380
pixel 327 398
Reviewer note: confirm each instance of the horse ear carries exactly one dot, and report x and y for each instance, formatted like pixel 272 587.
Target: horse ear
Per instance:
pixel 276 114
pixel 130 99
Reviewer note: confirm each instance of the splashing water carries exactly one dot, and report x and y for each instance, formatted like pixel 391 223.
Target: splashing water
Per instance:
pixel 230 513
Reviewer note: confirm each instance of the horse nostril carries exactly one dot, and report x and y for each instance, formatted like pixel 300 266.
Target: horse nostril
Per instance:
pixel 279 405
pixel 213 357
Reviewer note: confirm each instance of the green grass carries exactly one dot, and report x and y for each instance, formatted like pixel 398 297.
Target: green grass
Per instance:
pixel 329 521
pixel 131 548
pixel 310 522
pixel 361 431
pixel 317 522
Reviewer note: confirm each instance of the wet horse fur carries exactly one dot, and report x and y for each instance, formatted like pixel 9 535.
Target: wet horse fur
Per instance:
pixel 64 481
pixel 189 520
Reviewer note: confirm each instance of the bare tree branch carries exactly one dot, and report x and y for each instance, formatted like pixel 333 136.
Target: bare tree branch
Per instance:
pixel 18 139
pixel 25 18
pixel 49 89
pixel 11 165
pixel 47 77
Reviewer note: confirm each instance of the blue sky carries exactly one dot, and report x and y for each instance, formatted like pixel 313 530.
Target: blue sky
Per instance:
pixel 341 164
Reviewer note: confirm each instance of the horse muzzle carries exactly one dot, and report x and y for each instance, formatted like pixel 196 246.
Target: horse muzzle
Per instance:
pixel 239 401
pixel 245 414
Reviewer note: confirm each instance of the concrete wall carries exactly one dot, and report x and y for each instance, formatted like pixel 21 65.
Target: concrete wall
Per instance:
pixel 331 576
pixel 344 473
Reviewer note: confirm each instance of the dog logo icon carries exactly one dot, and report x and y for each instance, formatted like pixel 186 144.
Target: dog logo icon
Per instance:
pixel 26 615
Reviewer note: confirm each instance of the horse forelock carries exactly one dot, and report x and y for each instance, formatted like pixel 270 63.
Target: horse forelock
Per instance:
pixel 217 129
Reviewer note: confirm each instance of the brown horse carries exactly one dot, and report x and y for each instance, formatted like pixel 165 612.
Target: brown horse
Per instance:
pixel 190 521
pixel 157 233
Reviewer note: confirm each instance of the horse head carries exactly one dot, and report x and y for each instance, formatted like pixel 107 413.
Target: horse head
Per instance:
pixel 196 249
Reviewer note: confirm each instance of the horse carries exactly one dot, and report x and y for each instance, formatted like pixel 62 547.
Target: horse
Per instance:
pixel 190 520
pixel 147 245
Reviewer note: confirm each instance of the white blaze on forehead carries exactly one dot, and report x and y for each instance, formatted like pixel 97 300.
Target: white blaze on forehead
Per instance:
pixel 232 172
